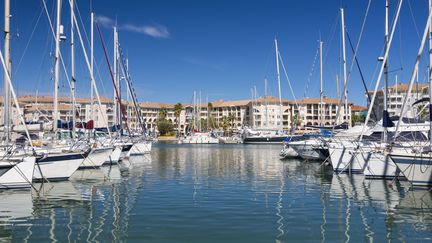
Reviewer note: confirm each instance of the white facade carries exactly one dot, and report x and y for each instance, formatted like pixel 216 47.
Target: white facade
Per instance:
pixel 264 112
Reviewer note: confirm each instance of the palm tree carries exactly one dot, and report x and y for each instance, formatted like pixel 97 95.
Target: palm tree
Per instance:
pixel 163 113
pixel 177 111
pixel 209 116
pixel 225 124
pixel 231 119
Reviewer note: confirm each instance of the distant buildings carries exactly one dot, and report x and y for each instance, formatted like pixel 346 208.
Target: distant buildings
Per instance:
pixel 264 112
pixel 396 96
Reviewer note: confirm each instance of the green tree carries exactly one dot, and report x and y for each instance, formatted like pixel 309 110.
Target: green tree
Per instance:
pixel 231 119
pixel 163 113
pixel 356 119
pixel 296 121
pixel 165 127
pixel 225 124
pixel 204 124
pixel 210 121
pixel 177 111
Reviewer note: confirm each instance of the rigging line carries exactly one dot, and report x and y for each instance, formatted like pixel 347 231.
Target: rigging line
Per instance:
pixel 83 26
pixel 385 58
pixel 54 35
pixel 28 42
pixel 359 39
pixel 112 78
pixel 98 66
pixel 413 19
pixel 331 37
pixel 345 90
pixel 266 67
pixel 311 72
pixel 288 79
pixel 131 89
pixel 88 67
pixel 361 74
pixel 48 46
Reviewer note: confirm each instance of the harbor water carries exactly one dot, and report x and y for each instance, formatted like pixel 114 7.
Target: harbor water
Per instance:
pixel 216 193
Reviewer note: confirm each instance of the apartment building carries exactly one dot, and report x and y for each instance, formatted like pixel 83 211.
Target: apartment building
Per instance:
pixel 310 113
pixel 264 112
pixel 395 97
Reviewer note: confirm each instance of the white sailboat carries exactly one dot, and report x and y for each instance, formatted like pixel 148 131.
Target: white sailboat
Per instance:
pixel 269 135
pixel 15 171
pixel 196 136
pixel 416 163
pixel 58 161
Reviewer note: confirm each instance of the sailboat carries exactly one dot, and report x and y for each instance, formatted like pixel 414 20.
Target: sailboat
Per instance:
pixel 268 135
pixel 195 135
pixel 16 171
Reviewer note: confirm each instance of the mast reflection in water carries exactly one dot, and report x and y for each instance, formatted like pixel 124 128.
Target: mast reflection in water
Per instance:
pixel 213 193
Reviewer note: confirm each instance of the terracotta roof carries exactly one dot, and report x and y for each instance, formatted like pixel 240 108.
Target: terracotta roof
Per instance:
pixel 47 107
pixel 274 100
pixel 47 99
pixel 404 88
pixel 317 100
pixel 355 108
pixel 156 105
pixel 222 103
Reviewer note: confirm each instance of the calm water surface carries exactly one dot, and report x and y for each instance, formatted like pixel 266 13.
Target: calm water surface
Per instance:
pixel 214 193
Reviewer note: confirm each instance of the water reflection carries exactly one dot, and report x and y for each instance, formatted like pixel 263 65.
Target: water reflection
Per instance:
pixel 215 194
pixel 15 206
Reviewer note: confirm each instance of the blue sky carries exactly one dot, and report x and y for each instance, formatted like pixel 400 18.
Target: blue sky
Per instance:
pixel 222 48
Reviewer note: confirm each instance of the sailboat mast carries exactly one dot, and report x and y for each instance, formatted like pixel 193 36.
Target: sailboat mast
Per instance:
pixel 116 82
pixel 199 112
pixel 91 64
pixel 57 67
pixel 344 67
pixel 194 123
pixel 73 80
pixel 125 73
pixel 7 102
pixel 430 76
pixel 279 85
pixel 266 103
pixel 337 87
pixel 386 38
pixel 321 84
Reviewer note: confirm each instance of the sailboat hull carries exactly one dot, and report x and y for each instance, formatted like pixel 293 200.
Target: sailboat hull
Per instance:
pixel 345 158
pixel 114 157
pixel 264 140
pixel 140 148
pixel 57 167
pixel 96 158
pixel 17 174
pixel 416 168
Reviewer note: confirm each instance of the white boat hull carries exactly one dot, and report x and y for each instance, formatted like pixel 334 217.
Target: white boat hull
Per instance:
pixel 380 166
pixel 200 138
pixel 19 175
pixel 417 168
pixel 57 167
pixel 308 150
pixel 125 151
pixel 140 148
pixel 346 159
pixel 114 157
pixel 288 152
pixel 96 158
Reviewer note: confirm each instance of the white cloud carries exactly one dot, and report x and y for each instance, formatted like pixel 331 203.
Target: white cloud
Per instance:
pixel 105 21
pixel 155 31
